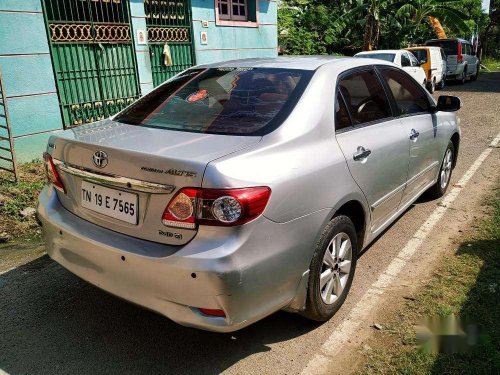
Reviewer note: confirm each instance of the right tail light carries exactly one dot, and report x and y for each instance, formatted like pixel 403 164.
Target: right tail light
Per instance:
pixel 217 207
pixel 51 172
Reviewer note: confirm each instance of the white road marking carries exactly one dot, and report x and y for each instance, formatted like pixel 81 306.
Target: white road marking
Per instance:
pixel 358 315
pixel 1 273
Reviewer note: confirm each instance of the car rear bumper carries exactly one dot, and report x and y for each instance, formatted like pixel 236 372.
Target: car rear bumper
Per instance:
pixel 249 272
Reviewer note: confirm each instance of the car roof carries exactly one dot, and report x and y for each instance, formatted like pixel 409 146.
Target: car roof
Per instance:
pixel 422 47
pixel 291 62
pixel 380 51
pixel 448 40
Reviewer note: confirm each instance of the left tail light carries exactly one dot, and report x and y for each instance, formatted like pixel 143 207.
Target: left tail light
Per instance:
pixel 51 172
pixel 215 207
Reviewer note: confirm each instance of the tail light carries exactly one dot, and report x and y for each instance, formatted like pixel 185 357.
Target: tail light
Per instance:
pixel 213 312
pixel 219 207
pixel 459 53
pixel 52 174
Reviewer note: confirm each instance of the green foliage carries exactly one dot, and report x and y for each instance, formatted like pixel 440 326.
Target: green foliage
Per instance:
pixel 339 27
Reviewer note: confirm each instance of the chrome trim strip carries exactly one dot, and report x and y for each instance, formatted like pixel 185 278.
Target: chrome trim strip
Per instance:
pixel 116 181
pixel 388 196
pixel 427 169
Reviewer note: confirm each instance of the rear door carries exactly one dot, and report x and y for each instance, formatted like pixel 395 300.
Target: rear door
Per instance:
pixel 374 143
pixel 420 129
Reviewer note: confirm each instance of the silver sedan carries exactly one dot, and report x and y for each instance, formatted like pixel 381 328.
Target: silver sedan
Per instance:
pixel 237 189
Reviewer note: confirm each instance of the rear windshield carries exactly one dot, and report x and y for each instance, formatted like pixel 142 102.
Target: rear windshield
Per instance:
pixel 381 56
pixel 420 54
pixel 235 101
pixel 449 46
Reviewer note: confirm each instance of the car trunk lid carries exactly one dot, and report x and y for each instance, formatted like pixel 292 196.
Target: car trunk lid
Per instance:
pixel 136 167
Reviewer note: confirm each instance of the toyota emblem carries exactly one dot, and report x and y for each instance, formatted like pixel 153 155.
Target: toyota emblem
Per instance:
pixel 100 159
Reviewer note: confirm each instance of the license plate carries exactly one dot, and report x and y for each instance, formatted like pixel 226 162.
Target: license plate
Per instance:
pixel 110 202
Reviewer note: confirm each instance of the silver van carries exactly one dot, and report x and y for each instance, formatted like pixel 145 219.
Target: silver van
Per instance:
pixel 461 60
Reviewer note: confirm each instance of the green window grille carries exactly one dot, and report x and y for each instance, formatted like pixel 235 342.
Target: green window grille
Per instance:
pixel 169 29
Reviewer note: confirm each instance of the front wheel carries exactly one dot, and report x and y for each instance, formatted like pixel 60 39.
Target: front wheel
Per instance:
pixel 431 87
pixel 439 188
pixel 441 84
pixel 332 269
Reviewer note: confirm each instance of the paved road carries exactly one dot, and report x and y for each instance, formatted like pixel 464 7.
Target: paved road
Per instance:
pixel 51 322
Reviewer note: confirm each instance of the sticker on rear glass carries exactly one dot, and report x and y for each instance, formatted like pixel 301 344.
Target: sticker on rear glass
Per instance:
pixel 197 96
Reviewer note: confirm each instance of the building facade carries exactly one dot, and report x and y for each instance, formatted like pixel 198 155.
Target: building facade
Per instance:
pixel 70 62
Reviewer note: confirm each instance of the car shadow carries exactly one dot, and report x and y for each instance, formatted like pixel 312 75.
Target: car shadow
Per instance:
pixel 487 82
pixel 51 322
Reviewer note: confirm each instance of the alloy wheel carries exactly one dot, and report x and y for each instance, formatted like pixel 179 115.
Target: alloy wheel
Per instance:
pixel 446 169
pixel 336 268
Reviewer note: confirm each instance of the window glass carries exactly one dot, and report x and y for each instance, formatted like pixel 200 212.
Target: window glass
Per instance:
pixel 449 46
pixel 220 100
pixel 414 61
pixel 409 96
pixel 233 10
pixel 364 97
pixel 420 54
pixel 405 60
pixel 342 119
pixel 381 56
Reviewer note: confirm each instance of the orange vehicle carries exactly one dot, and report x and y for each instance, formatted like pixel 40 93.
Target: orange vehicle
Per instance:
pixel 433 62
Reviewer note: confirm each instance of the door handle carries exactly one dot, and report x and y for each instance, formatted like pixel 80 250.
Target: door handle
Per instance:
pixel 414 134
pixel 361 154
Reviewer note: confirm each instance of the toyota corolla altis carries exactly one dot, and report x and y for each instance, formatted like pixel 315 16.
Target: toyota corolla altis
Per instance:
pixel 241 188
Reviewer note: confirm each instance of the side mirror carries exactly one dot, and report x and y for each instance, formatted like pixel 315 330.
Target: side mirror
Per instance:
pixel 448 103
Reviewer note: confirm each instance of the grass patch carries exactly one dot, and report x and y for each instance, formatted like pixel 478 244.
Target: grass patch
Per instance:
pixel 492 64
pixel 16 196
pixel 467 284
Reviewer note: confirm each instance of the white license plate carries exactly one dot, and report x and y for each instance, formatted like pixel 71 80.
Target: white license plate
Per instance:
pixel 110 202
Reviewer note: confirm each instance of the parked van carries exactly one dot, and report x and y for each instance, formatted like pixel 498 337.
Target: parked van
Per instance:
pixel 461 61
pixel 433 61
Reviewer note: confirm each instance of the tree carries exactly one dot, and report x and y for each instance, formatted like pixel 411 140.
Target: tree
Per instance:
pixel 433 11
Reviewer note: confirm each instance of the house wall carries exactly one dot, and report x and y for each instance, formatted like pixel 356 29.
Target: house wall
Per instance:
pixel 234 42
pixel 30 88
pixel 26 66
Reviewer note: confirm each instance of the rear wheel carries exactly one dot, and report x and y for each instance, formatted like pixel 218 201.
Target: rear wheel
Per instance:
pixel 438 189
pixel 463 77
pixel 476 75
pixel 332 269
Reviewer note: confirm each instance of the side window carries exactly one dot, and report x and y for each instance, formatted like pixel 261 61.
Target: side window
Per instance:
pixel 405 60
pixel 364 97
pixel 413 59
pixel 342 119
pixel 409 96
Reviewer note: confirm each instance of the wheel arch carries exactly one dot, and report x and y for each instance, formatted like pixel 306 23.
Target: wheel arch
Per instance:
pixel 455 139
pixel 355 211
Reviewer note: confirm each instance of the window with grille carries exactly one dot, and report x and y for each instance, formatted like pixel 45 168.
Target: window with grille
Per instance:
pixel 236 11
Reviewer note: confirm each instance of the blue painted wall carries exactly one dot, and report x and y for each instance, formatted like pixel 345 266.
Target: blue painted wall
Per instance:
pixel 230 42
pixel 29 80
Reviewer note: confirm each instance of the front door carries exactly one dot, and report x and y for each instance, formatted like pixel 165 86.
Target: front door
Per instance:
pixel 420 129
pixel 375 145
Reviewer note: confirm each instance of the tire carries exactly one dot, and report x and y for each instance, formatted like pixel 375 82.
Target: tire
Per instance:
pixel 431 87
pixel 441 84
pixel 439 188
pixel 463 77
pixel 475 76
pixel 321 305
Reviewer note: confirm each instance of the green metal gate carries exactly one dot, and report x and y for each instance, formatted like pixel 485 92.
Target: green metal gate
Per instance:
pixel 169 28
pixel 93 57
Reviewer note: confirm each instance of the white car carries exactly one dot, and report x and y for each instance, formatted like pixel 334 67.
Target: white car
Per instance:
pixel 401 57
